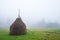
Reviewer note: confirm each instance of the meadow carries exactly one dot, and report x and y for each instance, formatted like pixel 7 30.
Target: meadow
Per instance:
pixel 41 34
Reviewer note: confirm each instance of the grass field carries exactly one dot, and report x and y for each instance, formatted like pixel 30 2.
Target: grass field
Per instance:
pixel 51 34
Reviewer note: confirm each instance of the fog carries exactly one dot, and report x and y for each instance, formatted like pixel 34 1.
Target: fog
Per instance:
pixel 32 12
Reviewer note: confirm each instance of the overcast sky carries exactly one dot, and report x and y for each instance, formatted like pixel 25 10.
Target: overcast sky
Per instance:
pixel 30 10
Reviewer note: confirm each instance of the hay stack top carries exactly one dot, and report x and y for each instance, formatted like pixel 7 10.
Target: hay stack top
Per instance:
pixel 18 27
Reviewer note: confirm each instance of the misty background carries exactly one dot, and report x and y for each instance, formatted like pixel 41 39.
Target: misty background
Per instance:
pixel 34 13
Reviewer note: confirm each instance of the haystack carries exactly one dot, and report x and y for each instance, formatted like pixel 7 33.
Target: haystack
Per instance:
pixel 18 27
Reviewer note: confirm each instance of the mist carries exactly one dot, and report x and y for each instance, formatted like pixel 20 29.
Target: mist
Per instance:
pixel 34 13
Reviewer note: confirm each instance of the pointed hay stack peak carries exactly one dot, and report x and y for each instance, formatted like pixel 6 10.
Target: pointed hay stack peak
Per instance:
pixel 18 13
pixel 18 27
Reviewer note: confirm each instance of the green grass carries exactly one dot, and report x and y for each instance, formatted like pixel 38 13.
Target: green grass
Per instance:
pixel 51 34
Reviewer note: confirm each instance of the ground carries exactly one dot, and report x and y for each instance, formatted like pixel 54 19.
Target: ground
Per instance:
pixel 51 34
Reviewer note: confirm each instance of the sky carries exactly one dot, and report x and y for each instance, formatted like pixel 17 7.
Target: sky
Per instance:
pixel 31 11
